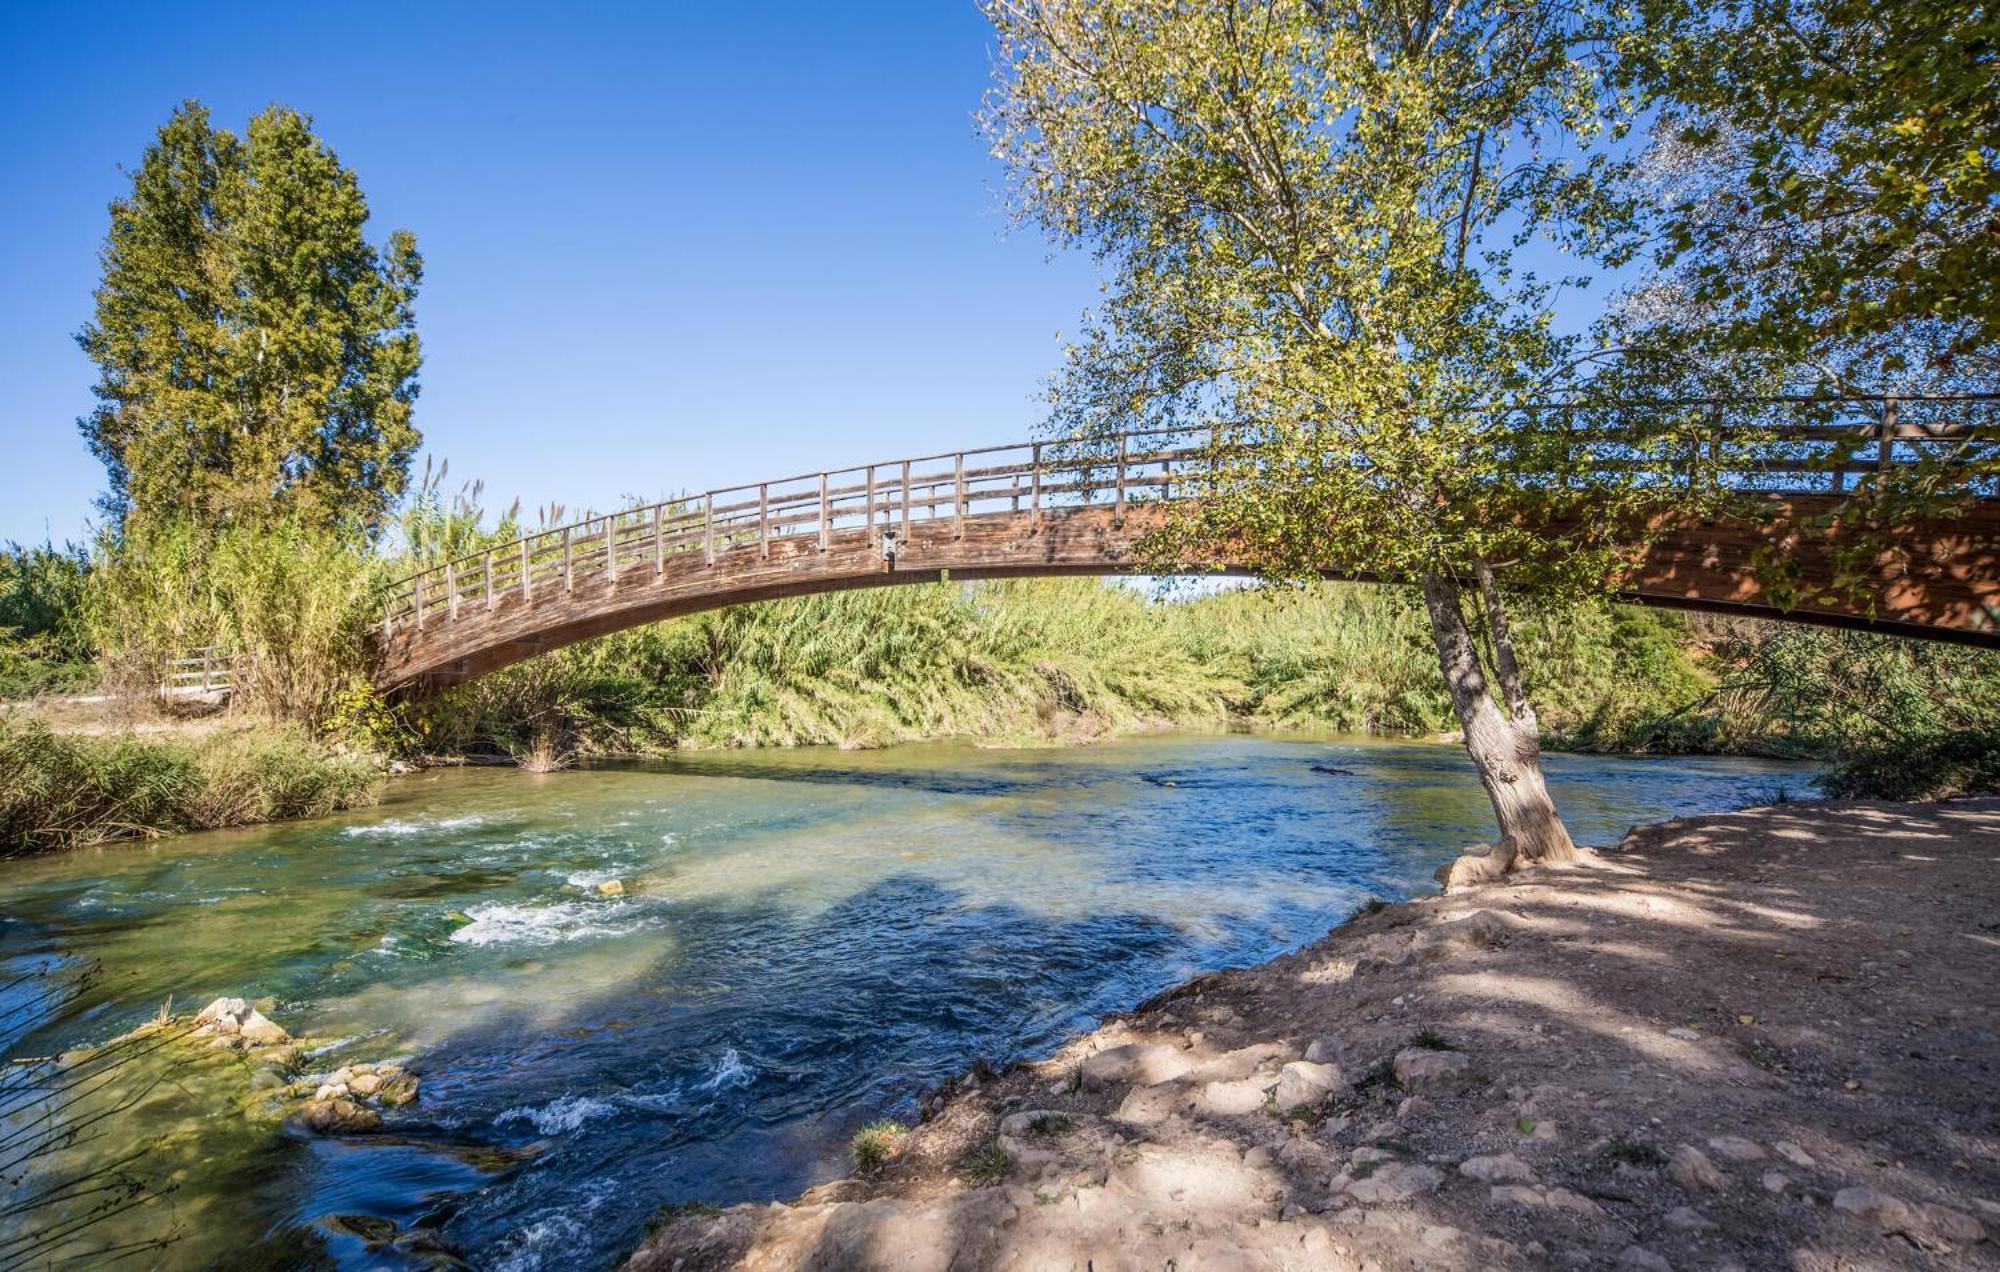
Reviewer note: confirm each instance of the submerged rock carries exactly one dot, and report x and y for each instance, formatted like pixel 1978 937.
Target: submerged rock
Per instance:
pixel 227 1018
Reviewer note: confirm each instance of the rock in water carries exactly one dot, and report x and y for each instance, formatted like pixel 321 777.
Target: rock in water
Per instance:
pixel 235 1018
pixel 337 1116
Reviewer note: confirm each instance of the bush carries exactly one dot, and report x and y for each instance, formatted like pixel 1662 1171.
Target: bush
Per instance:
pixel 1939 767
pixel 877 1142
pixel 62 791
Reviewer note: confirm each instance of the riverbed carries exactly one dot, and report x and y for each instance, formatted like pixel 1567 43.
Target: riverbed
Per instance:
pixel 692 980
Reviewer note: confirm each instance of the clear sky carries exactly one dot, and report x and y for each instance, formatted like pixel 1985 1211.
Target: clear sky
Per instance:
pixel 667 246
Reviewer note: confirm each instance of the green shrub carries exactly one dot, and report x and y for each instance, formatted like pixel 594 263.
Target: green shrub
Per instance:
pixel 62 790
pixel 877 1142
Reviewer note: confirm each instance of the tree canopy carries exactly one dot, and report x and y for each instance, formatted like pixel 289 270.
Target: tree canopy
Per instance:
pixel 256 354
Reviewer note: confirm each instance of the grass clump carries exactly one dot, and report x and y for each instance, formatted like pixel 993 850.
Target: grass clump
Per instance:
pixel 1431 1040
pixel 60 791
pixel 989 1164
pixel 878 1142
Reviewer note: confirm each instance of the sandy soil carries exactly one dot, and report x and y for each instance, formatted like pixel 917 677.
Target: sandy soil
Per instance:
pixel 1765 1039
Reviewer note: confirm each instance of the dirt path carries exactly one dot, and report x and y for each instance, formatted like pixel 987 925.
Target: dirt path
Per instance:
pixel 1768 1039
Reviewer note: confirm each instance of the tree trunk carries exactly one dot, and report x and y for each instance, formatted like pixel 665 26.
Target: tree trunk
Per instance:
pixel 1506 748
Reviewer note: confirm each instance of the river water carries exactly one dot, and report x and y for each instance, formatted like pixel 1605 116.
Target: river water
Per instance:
pixel 803 941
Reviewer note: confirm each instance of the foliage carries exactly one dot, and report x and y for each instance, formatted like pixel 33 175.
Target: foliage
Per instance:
pixel 255 353
pixel 1831 169
pixel 1309 216
pixel 1901 719
pixel 44 648
pixel 68 790
pixel 288 600
pixel 877 1142
pixel 1063 660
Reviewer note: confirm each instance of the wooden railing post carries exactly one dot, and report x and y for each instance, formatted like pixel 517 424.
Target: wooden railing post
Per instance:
pixel 871 506
pixel 906 503
pixel 611 546
pixel 659 540
pixel 958 498
pixel 825 529
pixel 1118 498
pixel 527 572
pixel 764 521
pixel 417 599
pixel 388 621
pixel 708 527
pixel 569 560
pixel 1035 496
pixel 1887 453
pixel 488 566
pixel 450 592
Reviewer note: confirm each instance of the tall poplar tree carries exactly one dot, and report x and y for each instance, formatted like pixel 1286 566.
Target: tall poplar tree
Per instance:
pixel 256 354
pixel 1307 214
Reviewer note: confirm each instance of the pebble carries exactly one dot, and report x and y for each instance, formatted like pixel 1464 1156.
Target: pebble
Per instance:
pixel 1327 1050
pixel 1691 1169
pixel 1776 1181
pixel 1502 1169
pixel 1685 1035
pixel 1688 1219
pixel 1640 1259
pixel 1736 1148
pixel 1795 1155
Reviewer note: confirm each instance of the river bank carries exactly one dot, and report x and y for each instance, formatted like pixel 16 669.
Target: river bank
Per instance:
pixel 1765 1038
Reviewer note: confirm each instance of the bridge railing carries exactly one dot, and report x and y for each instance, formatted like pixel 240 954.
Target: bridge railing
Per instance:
pixel 1777 444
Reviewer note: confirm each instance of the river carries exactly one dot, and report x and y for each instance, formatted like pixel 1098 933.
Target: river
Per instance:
pixel 694 979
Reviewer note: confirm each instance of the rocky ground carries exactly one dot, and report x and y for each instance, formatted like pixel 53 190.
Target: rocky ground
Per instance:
pixel 1765 1039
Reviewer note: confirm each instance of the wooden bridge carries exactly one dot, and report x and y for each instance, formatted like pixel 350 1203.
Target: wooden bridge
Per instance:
pixel 1041 508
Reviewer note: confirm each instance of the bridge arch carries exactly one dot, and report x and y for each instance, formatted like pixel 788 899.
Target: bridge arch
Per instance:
pixel 1033 510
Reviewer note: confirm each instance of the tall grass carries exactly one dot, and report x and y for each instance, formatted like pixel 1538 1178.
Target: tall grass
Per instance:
pixel 61 790
pixel 1063 660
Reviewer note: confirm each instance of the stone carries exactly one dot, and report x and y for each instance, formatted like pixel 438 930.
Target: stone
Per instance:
pixel 337 1117
pixel 1684 1034
pixel 1516 1195
pixel 1418 1069
pixel 399 1090
pixel 1795 1155
pixel 1398 1182
pixel 1233 1099
pixel 1872 1205
pixel 1690 1168
pixel 1259 1157
pixel 230 1008
pixel 365 1084
pixel 612 888
pixel 1950 1225
pixel 1327 1050
pixel 1640 1259
pixel 1575 1202
pixel 1736 1149
pixel 1775 1181
pixel 1135 1063
pixel 331 1091
pixel 1036 1121
pixel 1688 1219
pixel 1412 1107
pixel 1503 1168
pixel 1306 1082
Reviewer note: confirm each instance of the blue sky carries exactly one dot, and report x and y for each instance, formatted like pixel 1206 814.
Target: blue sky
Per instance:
pixel 667 246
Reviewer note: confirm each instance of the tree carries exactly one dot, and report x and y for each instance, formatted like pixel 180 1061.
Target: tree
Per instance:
pixel 1308 215
pixel 1828 174
pixel 255 354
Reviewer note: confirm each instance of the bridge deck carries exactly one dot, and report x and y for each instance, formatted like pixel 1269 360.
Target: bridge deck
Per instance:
pixel 1039 509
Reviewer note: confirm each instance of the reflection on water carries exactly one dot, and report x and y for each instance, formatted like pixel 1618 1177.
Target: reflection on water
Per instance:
pixel 693 979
